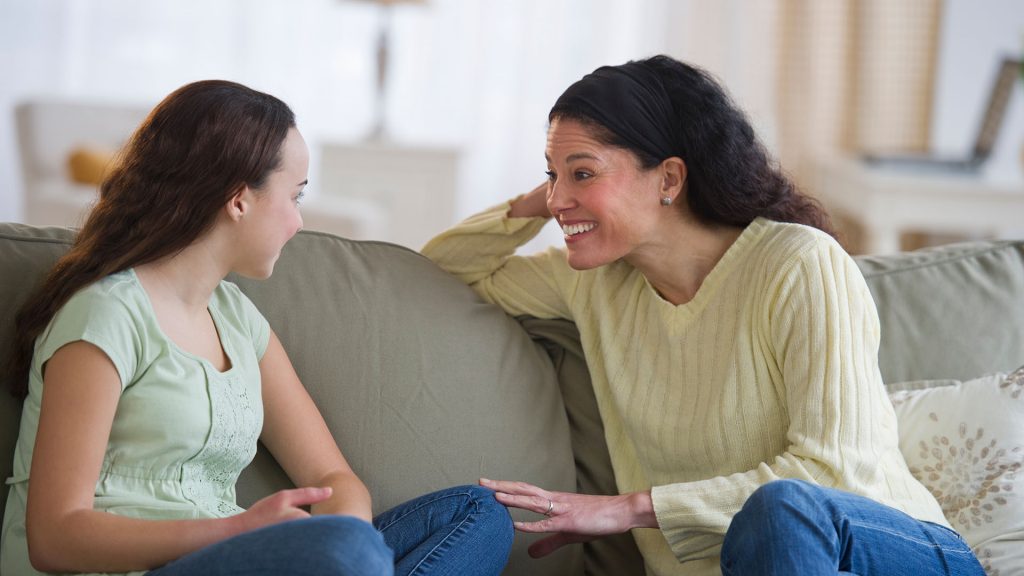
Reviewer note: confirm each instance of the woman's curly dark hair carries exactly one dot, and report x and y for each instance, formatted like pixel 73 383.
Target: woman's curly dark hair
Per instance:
pixel 731 178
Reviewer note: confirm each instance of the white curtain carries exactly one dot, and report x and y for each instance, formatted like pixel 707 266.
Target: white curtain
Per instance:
pixel 477 75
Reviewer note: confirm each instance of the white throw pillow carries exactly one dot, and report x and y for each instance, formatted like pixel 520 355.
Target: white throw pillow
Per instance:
pixel 965 442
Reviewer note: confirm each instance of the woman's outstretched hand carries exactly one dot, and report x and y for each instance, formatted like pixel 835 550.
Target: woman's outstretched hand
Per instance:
pixel 570 517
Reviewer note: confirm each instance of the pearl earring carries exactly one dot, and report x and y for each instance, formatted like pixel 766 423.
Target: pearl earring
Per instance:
pixel 666 201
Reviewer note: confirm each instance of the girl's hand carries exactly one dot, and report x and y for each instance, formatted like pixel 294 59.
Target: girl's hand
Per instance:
pixel 573 517
pixel 282 506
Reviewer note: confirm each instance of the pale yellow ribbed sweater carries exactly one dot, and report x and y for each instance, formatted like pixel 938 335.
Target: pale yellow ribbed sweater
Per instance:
pixel 769 372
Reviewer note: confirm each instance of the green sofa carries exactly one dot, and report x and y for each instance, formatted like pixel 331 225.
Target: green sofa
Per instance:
pixel 426 386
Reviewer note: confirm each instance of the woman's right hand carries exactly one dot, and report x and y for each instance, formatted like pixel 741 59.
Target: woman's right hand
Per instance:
pixel 572 518
pixel 533 204
pixel 282 506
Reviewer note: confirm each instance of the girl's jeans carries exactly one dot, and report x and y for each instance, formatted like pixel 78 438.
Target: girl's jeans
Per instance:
pixel 457 531
pixel 794 527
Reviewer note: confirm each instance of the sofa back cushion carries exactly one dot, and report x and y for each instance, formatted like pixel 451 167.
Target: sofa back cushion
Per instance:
pixel 422 384
pixel 953 311
pixel 26 254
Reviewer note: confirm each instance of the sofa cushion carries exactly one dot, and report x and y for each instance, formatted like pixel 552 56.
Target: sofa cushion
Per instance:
pixel 964 442
pixel 954 311
pixel 26 253
pixel 423 385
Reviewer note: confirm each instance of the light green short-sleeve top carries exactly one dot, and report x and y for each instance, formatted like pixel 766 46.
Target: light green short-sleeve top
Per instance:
pixel 182 432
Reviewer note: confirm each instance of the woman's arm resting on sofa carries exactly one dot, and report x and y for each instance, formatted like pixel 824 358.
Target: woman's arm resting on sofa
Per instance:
pixel 481 252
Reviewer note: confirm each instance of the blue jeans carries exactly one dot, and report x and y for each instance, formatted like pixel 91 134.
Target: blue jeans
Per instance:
pixel 461 530
pixel 795 527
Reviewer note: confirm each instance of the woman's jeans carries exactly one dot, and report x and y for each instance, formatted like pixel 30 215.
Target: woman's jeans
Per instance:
pixel 457 531
pixel 794 527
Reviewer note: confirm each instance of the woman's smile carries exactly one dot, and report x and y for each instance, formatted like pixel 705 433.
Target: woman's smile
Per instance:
pixel 578 230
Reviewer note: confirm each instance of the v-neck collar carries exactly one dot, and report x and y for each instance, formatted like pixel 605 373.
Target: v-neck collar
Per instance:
pixel 722 269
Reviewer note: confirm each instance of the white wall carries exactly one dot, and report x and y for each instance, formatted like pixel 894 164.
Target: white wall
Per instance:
pixel 974 37
pixel 314 54
pixel 479 75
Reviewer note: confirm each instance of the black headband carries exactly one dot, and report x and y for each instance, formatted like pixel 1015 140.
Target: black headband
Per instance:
pixel 631 101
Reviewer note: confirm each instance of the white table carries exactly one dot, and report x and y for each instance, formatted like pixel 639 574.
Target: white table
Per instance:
pixel 886 202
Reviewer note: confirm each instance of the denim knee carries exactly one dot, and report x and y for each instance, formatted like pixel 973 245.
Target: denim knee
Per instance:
pixel 485 502
pixel 482 498
pixel 348 545
pixel 768 504
pixel 499 521
pixel 785 491
pixel 777 499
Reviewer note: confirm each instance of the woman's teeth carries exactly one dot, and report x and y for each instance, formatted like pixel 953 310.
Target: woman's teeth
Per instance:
pixel 574 229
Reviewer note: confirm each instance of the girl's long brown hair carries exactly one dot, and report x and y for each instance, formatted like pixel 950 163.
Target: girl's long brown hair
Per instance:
pixel 194 151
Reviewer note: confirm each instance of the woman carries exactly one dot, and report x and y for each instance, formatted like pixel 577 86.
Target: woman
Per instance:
pixel 149 380
pixel 732 343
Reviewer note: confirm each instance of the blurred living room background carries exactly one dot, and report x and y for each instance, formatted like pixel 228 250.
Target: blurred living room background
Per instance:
pixel 420 112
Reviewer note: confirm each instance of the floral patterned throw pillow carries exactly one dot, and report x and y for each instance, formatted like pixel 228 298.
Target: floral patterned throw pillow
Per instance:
pixel 965 442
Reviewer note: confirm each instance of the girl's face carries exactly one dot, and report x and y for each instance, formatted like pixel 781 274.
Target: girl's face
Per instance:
pixel 274 215
pixel 608 207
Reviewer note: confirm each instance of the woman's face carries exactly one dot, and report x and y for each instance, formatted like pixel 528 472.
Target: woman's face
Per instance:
pixel 608 207
pixel 275 216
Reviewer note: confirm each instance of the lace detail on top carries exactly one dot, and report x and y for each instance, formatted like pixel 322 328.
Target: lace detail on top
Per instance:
pixel 209 478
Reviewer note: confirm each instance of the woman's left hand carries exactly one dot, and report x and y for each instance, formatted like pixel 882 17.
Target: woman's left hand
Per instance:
pixel 573 517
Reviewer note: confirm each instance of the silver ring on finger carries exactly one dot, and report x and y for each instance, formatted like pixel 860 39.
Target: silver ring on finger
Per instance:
pixel 551 506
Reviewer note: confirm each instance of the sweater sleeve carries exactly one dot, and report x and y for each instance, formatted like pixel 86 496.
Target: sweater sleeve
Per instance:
pixel 480 251
pixel 823 331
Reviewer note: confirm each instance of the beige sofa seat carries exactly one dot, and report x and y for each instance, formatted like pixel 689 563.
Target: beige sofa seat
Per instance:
pixel 426 386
